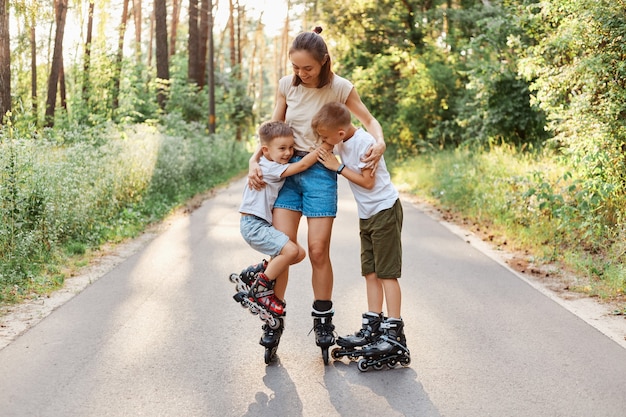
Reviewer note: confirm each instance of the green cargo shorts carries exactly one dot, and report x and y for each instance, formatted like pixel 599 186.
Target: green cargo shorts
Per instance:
pixel 381 243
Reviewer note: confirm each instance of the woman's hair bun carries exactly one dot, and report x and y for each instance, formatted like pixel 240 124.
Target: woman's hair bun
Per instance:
pixel 317 29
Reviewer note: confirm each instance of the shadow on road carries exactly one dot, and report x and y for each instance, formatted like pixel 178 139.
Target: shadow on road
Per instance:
pixel 377 392
pixel 284 401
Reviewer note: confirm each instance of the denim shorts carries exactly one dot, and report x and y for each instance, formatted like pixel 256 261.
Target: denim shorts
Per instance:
pixel 262 236
pixel 312 192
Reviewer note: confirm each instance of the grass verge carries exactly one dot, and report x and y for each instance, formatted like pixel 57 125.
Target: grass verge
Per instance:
pixel 61 200
pixel 526 203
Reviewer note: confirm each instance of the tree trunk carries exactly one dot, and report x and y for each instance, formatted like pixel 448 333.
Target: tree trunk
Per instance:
pixel 220 51
pixel 175 20
pixel 204 37
pixel 55 68
pixel 252 66
pixel 212 121
pixel 87 58
pixel 231 32
pixel 281 68
pixel 5 61
pixel 137 16
pixel 413 31
pixel 240 20
pixel 192 45
pixel 62 90
pixel 151 39
pixel 258 50
pixel 162 58
pixel 33 66
pixel 119 57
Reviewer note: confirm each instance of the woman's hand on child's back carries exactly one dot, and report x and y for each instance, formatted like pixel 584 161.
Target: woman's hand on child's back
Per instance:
pixel 373 155
pixel 255 177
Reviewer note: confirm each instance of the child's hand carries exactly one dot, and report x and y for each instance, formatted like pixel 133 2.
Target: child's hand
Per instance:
pixel 327 159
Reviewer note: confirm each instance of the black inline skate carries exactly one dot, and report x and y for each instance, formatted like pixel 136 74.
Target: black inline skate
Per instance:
pixel 369 332
pixel 261 300
pixel 390 348
pixel 271 338
pixel 323 326
pixel 246 277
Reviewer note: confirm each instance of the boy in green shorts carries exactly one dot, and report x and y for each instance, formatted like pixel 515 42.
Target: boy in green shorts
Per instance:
pixel 380 224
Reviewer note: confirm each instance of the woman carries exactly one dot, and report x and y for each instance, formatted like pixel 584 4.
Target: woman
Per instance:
pixel 312 193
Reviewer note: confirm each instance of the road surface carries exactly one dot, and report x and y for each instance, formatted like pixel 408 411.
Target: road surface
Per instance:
pixel 159 335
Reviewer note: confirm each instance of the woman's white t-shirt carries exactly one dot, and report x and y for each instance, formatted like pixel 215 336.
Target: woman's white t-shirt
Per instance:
pixel 303 102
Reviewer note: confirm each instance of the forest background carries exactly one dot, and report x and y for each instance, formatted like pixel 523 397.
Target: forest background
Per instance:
pixel 508 113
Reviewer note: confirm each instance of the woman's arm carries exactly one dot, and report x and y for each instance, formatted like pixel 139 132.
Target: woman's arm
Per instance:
pixel 373 127
pixel 255 175
pixel 280 108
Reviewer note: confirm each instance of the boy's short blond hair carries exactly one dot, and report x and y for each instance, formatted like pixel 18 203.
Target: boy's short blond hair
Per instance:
pixel 273 129
pixel 333 115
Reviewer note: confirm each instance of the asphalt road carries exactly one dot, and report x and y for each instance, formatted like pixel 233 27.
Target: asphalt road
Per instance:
pixel 159 335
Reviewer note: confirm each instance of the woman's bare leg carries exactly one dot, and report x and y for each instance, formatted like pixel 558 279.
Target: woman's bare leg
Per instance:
pixel 320 229
pixel 287 221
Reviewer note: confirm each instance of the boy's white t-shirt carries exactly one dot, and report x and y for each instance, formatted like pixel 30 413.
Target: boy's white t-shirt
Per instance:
pixel 260 203
pixel 383 195
pixel 304 102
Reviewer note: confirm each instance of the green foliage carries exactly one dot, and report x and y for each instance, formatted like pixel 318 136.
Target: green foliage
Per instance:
pixel 468 74
pixel 578 71
pixel 531 203
pixel 61 196
pixel 236 106
pixel 437 77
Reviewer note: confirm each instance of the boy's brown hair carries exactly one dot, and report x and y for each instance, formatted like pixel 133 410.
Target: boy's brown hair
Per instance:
pixel 273 129
pixel 333 115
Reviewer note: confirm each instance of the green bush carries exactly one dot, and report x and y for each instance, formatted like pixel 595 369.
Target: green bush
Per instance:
pixel 577 71
pixel 532 203
pixel 60 198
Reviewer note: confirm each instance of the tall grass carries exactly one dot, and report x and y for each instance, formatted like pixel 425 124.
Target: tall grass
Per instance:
pixel 532 203
pixel 65 195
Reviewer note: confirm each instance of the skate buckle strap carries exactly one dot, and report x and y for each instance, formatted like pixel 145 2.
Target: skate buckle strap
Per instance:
pixel 263 293
pixel 322 314
pixel 323 326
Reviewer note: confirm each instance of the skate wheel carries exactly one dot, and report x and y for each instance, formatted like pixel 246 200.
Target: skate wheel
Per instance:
pixel 405 361
pixel 269 355
pixel 233 277
pixel 273 323
pixel 362 365
pixel 335 353
pixel 325 355
pixel 378 366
